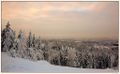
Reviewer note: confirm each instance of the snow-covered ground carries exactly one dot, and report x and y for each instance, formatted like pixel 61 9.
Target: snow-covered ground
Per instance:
pixel 10 64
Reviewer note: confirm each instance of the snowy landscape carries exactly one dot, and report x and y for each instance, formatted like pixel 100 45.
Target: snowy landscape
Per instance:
pixel 10 64
pixel 60 37
pixel 20 54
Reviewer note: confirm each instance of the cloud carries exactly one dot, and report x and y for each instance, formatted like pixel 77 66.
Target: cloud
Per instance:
pixel 64 19
pixel 24 9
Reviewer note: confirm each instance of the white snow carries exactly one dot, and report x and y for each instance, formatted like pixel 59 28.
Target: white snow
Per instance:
pixel 10 64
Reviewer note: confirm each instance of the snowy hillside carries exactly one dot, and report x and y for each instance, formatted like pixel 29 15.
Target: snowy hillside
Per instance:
pixel 10 64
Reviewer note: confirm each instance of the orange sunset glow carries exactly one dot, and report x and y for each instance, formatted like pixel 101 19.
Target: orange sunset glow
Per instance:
pixel 63 20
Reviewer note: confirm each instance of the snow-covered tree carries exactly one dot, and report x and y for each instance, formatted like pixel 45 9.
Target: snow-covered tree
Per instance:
pixel 39 43
pixel 7 36
pixel 33 41
pixel 35 54
pixel 54 56
pixel 72 58
pixel 22 39
pixel 29 40
pixel 21 47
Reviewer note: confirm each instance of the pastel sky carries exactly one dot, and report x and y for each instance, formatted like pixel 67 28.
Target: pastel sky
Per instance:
pixel 63 20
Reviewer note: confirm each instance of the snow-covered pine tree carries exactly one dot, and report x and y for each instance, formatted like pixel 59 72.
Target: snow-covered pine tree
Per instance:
pixel 21 47
pixel 7 38
pixel 38 43
pixel 33 41
pixel 29 40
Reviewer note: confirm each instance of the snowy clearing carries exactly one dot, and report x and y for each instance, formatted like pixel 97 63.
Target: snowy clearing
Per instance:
pixel 10 64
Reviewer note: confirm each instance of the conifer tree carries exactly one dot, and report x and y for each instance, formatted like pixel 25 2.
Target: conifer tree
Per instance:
pixel 7 38
pixel 29 41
